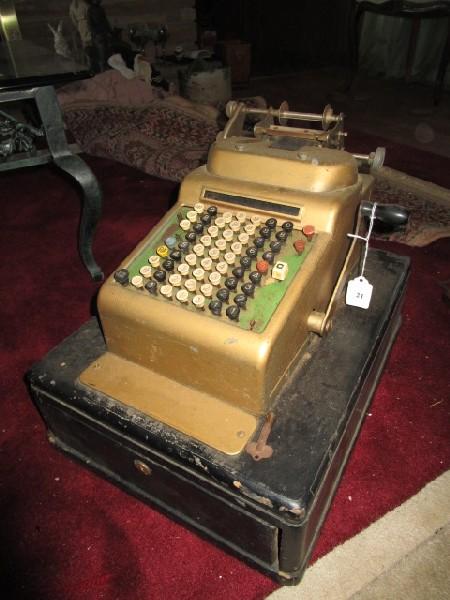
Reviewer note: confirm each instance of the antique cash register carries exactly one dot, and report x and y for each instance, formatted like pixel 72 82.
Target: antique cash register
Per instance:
pixel 230 376
pixel 206 318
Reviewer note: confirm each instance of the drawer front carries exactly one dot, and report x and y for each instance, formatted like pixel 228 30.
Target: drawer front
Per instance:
pixel 147 476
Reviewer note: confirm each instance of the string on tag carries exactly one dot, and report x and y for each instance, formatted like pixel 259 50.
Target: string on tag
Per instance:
pixel 366 238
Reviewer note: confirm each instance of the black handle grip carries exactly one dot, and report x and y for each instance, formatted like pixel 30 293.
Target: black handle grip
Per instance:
pixel 392 216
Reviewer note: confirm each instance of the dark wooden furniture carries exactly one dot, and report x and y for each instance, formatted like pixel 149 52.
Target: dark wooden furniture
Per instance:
pixel 269 512
pixel 402 8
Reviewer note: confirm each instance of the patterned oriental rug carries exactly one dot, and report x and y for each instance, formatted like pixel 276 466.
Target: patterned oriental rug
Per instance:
pixel 169 140
pixel 68 534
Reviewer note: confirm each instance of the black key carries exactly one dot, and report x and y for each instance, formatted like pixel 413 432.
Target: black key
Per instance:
pixel 281 235
pixel 212 210
pixel 197 228
pixel 191 236
pixel 184 247
pixel 288 226
pixel 168 264
pixel 215 306
pixel 265 232
pixel 159 275
pixel 151 287
pixel 223 294
pixel 269 257
pixel 175 255
pixel 206 219
pixel 233 313
pixel 255 277
pixel 240 300
pixel 238 272
pixel 252 252
pixel 248 289
pixel 271 223
pixel 275 246
pixel 122 276
pixel 259 242
pixel 231 283
pixel 246 262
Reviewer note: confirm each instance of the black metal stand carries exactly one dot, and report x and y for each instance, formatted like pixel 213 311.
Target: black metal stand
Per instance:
pixel 61 153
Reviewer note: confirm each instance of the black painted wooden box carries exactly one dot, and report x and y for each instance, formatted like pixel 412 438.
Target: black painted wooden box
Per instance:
pixel 268 512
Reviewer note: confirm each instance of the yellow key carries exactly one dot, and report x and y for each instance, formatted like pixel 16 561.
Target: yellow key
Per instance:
pixel 162 251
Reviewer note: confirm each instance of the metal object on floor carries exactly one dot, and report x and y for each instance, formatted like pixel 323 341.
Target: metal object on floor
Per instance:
pixel 60 153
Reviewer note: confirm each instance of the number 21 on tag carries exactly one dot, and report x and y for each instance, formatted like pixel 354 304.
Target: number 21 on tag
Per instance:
pixel 359 292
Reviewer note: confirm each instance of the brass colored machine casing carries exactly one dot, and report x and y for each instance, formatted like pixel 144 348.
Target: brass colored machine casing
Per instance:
pixel 207 375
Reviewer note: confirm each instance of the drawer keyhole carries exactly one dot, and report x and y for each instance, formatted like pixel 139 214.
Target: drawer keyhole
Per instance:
pixel 142 467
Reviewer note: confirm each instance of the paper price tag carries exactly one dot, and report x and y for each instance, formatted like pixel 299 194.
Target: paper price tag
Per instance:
pixel 359 292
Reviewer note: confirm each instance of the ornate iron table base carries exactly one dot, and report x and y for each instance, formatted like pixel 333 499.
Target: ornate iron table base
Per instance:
pixel 61 153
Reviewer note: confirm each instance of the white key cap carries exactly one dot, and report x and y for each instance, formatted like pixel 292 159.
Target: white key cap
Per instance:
pixel 175 280
pixel 235 226
pixel 137 281
pixel 222 267
pixel 214 253
pixel 206 240
pixel 166 291
pixel 199 249
pixel 199 274
pixel 199 207
pixel 221 244
pixel 192 216
pixel 182 296
pixel 256 220
pixel 198 301
pixel 154 260
pixel 243 238
pixel 206 289
pixel 215 278
pixel 183 269
pixel 185 224
pixel 227 216
pixel 280 271
pixel 230 258
pixel 213 231
pixel 227 235
pixel 236 247
pixel 146 271
pixel 206 263
pixel 241 216
pixel 190 285
pixel 191 259
pixel 220 222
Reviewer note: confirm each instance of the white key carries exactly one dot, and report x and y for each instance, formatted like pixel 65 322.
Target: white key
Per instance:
pixel 182 296
pixel 215 278
pixel 206 289
pixel 213 231
pixel 243 238
pixel 222 267
pixel 256 220
pixel 280 271
pixel 220 222
pixel 154 260
pixel 227 216
pixel 175 280
pixel 227 235
pixel 199 249
pixel 241 216
pixel 185 224
pixel 137 281
pixel 183 269
pixel 190 285
pixel 191 259
pixel 230 258
pixel 206 240
pixel 235 226
pixel 199 207
pixel 192 216
pixel 214 253
pixel 146 271
pixel 236 247
pixel 206 263
pixel 199 274
pixel 221 244
pixel 198 301
pixel 166 291
pixel 250 229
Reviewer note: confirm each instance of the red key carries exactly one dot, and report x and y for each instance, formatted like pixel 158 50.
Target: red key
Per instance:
pixel 309 231
pixel 262 266
pixel 299 246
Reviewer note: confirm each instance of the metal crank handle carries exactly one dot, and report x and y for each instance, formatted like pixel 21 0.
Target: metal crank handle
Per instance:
pixel 392 216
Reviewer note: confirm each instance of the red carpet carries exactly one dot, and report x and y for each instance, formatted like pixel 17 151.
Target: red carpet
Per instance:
pixel 68 535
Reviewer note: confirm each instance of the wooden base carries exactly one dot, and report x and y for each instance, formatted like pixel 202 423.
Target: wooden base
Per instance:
pixel 268 512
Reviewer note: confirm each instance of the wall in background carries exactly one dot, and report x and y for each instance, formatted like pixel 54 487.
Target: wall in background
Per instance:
pixel 177 15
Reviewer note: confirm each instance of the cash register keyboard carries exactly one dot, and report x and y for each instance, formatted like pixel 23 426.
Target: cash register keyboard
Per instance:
pixel 231 265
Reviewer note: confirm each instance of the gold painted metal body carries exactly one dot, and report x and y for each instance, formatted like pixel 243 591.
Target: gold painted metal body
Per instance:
pixel 204 375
